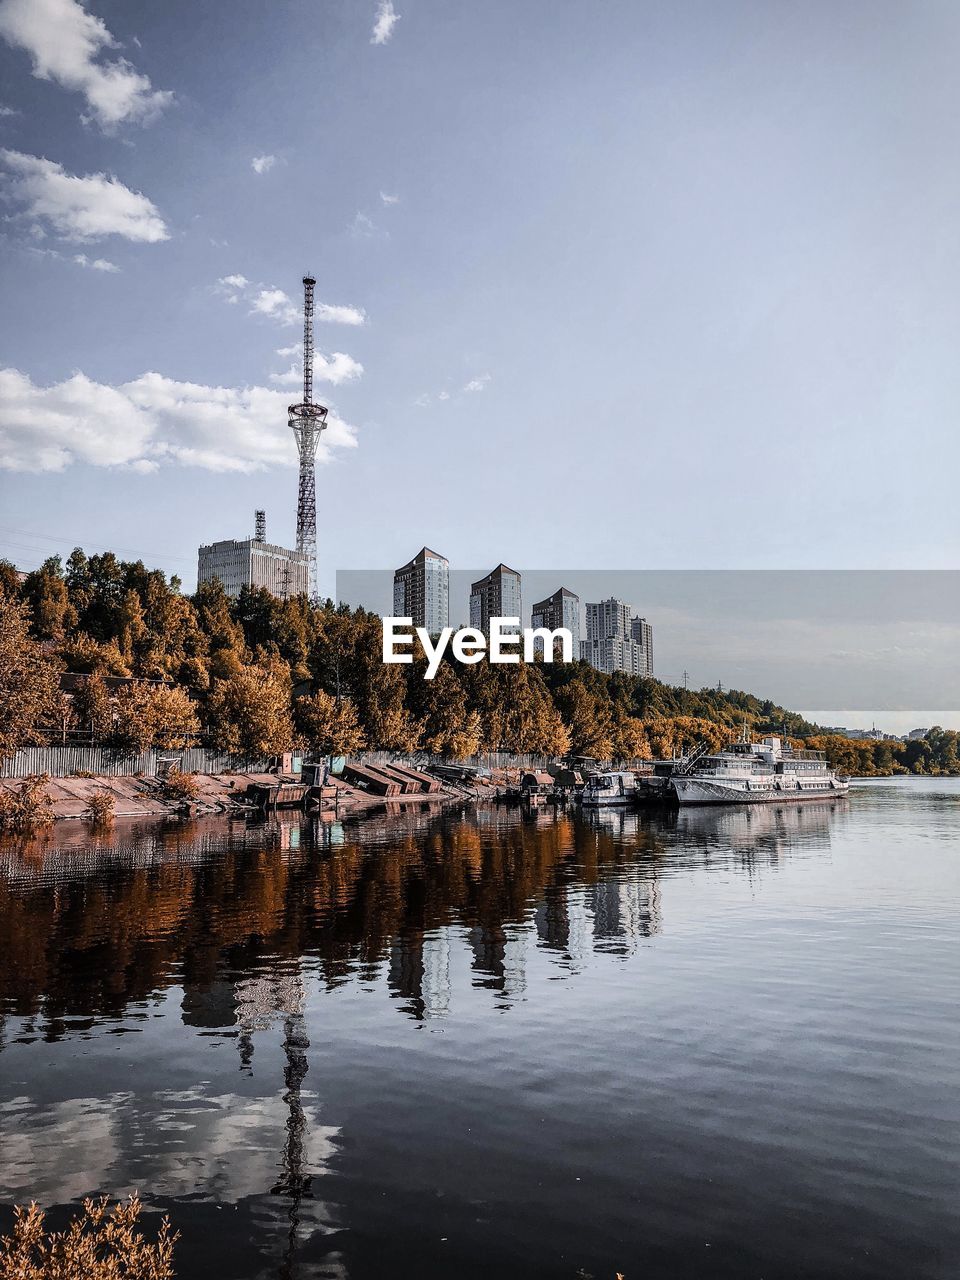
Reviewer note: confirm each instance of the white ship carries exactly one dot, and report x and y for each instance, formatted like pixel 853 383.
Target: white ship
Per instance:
pixel 757 773
pixel 604 789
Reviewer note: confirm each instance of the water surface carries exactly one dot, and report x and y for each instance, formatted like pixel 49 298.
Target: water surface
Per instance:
pixel 719 1043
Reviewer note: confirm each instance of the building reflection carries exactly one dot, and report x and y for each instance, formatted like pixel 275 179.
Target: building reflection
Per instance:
pixel 240 915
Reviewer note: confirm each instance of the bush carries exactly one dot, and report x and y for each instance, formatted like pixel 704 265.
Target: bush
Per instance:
pixel 178 785
pixel 29 808
pixel 97 1245
pixel 101 809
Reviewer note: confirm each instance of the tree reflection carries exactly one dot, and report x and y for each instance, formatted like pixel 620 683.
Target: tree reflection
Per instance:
pixel 231 912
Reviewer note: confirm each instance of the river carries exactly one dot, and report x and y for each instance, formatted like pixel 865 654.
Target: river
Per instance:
pixel 718 1044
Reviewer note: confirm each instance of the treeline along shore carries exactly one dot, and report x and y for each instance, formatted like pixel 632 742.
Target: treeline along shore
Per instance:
pixel 103 651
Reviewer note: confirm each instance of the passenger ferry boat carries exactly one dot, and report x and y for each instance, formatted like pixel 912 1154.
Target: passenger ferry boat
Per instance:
pixel 757 773
pixel 609 789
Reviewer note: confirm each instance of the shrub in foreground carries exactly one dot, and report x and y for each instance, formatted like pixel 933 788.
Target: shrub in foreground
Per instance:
pixel 29 808
pixel 99 1244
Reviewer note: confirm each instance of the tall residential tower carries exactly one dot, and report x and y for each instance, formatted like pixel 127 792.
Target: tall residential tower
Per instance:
pixel 495 596
pixel 562 609
pixel 616 640
pixel 421 591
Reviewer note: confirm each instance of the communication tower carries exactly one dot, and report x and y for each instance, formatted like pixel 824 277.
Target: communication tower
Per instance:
pixel 306 421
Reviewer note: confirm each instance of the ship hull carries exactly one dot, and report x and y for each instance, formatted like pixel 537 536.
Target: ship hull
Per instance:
pixel 702 791
pixel 609 802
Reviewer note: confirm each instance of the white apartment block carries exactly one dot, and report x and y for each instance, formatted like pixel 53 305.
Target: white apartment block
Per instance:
pixel 616 640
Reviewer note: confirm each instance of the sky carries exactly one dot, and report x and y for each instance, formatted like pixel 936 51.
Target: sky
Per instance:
pixel 640 285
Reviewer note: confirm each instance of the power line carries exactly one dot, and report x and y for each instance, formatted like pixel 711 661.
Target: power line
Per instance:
pixel 74 541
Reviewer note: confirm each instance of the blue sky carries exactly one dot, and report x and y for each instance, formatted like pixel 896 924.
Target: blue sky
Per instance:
pixel 632 285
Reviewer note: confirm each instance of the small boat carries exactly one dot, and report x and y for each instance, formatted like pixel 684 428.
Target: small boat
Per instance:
pixel 613 788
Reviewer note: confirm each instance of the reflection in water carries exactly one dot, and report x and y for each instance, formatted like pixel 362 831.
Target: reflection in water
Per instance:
pixel 90 929
pixel 214 1006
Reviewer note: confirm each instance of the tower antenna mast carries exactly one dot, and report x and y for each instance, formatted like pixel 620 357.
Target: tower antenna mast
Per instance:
pixel 306 421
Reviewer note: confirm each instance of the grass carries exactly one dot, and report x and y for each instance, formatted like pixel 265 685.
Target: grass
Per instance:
pixel 99 1244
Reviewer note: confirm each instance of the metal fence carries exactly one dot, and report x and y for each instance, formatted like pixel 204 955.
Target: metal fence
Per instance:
pixel 61 762
pixel 486 759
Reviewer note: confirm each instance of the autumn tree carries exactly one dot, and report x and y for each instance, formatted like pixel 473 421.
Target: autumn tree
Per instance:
pixel 450 727
pixel 224 636
pixel 92 708
pixel 132 720
pixel 29 682
pixel 173 717
pixel 249 712
pixel 329 726
pixel 589 720
pixel 45 591
pixel 629 739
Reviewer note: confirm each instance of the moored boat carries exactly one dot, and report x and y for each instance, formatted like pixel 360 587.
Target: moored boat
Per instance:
pixel 757 773
pixel 612 788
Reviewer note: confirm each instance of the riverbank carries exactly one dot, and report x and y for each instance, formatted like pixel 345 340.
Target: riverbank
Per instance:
pixel 141 797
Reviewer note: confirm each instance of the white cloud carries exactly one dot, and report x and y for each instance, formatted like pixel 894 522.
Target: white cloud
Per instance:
pixel 329 314
pixel 95 264
pixel 65 43
pixel 278 305
pixel 387 199
pixel 8 111
pixel 335 368
pixel 477 384
pixel 387 19
pixel 262 164
pixel 147 423
pixel 76 208
pixel 444 395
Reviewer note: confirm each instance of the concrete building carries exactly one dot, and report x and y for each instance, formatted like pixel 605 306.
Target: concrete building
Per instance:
pixel 562 609
pixel 254 562
pixel 616 640
pixel 495 596
pixel 421 591
pixel 642 632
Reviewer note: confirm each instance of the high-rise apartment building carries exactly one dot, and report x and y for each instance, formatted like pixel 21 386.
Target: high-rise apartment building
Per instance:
pixel 642 632
pixel 616 640
pixel 562 609
pixel 495 596
pixel 421 591
pixel 254 562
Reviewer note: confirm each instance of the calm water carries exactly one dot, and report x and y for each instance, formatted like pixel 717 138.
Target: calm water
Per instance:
pixel 719 1044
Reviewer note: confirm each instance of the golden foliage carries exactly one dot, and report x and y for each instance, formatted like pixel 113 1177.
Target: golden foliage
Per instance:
pixel 29 807
pixel 29 682
pixel 178 785
pixel 99 1244
pixel 329 726
pixel 102 805
pixel 250 711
